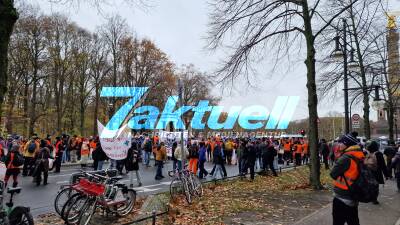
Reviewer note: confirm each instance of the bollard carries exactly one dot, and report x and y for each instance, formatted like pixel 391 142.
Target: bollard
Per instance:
pixel 154 217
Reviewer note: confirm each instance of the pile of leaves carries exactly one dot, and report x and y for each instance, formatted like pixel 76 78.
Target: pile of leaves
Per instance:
pixel 266 197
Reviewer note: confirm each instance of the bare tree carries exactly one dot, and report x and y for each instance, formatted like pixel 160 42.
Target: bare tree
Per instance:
pixel 275 24
pixel 113 33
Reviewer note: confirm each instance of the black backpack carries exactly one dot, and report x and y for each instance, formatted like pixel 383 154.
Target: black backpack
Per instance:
pixel 32 147
pixel 365 188
pixel 18 160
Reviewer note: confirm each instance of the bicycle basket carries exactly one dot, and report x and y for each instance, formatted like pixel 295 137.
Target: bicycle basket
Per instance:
pixel 90 188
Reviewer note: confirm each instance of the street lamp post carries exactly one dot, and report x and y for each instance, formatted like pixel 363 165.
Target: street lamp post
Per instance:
pixel 180 90
pixel 341 51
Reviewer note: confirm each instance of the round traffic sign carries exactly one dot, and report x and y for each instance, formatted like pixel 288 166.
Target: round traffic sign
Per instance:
pixel 355 117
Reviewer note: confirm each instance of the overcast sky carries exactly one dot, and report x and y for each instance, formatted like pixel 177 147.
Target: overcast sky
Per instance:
pixel 178 27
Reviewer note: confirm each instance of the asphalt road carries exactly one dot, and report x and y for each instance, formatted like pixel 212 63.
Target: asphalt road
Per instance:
pixel 40 198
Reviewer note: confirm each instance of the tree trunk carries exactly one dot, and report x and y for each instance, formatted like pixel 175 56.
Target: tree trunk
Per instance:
pixel 96 110
pixel 32 114
pixel 312 100
pixel 8 17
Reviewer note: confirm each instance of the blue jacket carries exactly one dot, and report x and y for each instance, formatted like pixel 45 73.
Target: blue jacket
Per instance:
pixel 202 154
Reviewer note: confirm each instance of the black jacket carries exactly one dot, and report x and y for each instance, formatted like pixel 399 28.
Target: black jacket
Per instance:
pixel 132 159
pixel 217 155
pixel 99 154
pixel 382 169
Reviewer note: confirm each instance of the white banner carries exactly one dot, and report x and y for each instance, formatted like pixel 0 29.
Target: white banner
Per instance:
pixel 117 146
pixel 170 137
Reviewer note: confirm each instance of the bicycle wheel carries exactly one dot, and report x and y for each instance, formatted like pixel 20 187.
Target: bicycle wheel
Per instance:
pixel 61 198
pixel 73 213
pixel 68 204
pixel 186 190
pixel 129 199
pixel 175 188
pixel 87 211
pixel 20 216
pixel 197 187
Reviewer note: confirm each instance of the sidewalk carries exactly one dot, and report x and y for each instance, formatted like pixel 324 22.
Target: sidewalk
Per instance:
pixel 386 213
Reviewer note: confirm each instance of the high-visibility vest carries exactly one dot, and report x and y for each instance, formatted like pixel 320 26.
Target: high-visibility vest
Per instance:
pixel 286 146
pixel 305 148
pixel 351 173
pixel 299 148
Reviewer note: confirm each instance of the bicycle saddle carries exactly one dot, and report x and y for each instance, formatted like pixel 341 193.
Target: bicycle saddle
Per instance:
pixel 116 178
pixel 14 190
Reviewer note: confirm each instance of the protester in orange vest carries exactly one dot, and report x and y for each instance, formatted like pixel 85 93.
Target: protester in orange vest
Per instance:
pixel 13 161
pixel 298 147
pixel 287 147
pixel 345 172
pixel 305 152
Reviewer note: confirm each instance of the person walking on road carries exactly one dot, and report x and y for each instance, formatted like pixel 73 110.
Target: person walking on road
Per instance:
pixel 202 160
pixel 174 160
pixel 99 155
pixel 132 164
pixel 250 154
pixel 13 161
pixel 390 152
pixel 42 163
pixel 148 148
pixel 268 157
pixel 193 157
pixel 375 161
pixel 324 151
pixel 30 148
pixel 395 164
pixel 178 155
pixel 161 156
pixel 345 172
pixel 218 161
pixel 60 148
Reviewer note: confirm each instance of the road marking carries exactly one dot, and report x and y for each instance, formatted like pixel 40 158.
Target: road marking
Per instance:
pixel 63 182
pixel 143 189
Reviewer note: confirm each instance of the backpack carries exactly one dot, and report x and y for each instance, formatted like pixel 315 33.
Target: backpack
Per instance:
pixel 32 147
pixel 18 160
pixel 371 162
pixel 365 188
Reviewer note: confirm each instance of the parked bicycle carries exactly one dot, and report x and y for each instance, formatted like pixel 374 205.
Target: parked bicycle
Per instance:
pixel 97 191
pixel 66 191
pixel 185 182
pixel 10 215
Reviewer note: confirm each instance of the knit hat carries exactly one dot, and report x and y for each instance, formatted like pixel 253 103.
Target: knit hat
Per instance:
pixel 373 146
pixel 348 140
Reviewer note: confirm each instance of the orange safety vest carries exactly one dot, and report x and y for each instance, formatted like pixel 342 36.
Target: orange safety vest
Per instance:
pixel 305 148
pixel 351 173
pixel 299 148
pixel 286 147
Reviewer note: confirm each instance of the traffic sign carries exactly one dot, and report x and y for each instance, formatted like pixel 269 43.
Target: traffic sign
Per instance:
pixel 355 117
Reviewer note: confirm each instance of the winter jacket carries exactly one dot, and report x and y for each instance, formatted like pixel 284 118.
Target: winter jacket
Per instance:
pixel 161 154
pixel 217 155
pixel 99 154
pixel 342 166
pixel 178 153
pixel 42 157
pixel 202 154
pixel 193 152
pixel 396 164
pixel 132 159
pixel 382 169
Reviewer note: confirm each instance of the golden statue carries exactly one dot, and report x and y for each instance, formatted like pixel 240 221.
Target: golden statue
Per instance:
pixel 391 22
